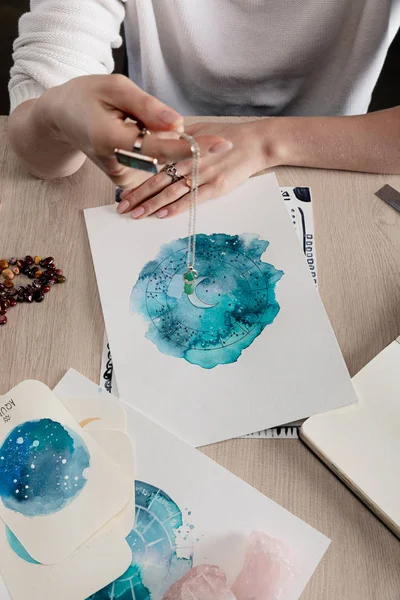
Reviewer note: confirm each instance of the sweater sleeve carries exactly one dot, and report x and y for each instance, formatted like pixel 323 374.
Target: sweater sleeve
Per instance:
pixel 59 40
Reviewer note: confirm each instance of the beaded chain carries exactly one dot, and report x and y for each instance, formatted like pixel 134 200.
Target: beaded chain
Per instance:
pixel 189 278
pixel 43 272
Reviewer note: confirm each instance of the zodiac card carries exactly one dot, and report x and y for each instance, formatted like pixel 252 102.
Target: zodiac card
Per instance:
pixel 57 486
pixel 234 356
pixel 102 559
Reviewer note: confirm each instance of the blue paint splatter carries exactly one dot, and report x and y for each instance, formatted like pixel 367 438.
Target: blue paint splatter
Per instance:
pixel 44 466
pixel 155 563
pixel 18 548
pixel 234 299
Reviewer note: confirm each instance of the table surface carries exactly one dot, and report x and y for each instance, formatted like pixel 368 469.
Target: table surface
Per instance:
pixel 358 253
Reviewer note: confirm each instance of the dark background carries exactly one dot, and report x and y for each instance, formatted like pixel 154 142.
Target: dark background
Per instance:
pixel 386 94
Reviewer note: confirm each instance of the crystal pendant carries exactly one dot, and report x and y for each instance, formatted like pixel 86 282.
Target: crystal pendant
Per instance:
pixel 189 281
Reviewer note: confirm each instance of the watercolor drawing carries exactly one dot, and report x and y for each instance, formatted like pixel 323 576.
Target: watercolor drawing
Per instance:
pixel 159 557
pixel 18 548
pixel 234 298
pixel 44 466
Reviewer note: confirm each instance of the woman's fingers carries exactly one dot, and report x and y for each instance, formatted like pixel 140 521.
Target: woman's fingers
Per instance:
pixel 151 187
pixel 159 203
pixel 206 192
pixel 123 94
pixel 174 150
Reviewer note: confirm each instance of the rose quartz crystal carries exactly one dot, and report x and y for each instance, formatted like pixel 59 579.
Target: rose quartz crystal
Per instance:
pixel 204 582
pixel 267 571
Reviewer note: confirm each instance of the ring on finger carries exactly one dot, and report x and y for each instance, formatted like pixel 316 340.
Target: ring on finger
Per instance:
pixel 143 131
pixel 171 170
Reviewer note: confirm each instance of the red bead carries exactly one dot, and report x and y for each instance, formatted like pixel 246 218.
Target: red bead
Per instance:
pixel 3 319
pixel 13 302
pixel 46 289
pixel 29 259
pixel 58 272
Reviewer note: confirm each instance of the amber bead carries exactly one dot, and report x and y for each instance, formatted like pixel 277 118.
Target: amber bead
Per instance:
pixel 38 274
pixel 12 261
pixel 3 264
pixel 8 274
pixel 19 263
pixel 60 279
pixel 15 270
pixel 13 302
pixel 36 260
pixel 46 289
pixel 8 283
pixel 3 319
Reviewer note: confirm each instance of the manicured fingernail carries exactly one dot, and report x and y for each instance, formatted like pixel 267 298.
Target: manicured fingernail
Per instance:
pixel 122 206
pixel 170 118
pixel 162 213
pixel 221 147
pixel 138 212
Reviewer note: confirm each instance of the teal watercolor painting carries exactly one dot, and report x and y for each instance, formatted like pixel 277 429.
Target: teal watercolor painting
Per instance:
pixel 233 300
pixel 44 466
pixel 156 561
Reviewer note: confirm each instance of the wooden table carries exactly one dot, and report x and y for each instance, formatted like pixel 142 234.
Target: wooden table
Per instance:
pixel 358 254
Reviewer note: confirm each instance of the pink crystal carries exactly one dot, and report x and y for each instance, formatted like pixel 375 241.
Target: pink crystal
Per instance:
pixel 267 571
pixel 204 582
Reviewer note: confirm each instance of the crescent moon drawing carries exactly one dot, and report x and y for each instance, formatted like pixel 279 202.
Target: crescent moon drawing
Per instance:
pixel 87 421
pixel 195 300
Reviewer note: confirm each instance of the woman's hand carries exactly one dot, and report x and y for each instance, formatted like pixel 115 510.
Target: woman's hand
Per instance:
pixel 87 117
pixel 219 173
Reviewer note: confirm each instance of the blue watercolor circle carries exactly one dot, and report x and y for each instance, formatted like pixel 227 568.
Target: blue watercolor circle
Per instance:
pixel 155 562
pixel 233 302
pixel 43 467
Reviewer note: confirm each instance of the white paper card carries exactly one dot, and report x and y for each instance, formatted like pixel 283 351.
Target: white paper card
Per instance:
pixel 156 334
pixel 94 565
pixel 53 476
pixel 190 511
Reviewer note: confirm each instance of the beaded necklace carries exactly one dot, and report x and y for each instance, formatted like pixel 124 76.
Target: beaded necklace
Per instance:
pixel 43 272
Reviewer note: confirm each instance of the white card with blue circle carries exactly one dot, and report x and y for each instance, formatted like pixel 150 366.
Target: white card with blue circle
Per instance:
pixel 105 557
pixel 250 348
pixel 57 486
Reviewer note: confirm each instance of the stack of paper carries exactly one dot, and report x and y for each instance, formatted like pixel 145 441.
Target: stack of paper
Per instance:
pixel 189 510
pixel 67 494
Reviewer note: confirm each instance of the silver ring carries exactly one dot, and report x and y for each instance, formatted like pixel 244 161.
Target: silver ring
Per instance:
pixel 170 170
pixel 137 146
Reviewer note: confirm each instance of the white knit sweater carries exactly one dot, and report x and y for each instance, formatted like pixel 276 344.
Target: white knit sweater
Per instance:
pixel 203 57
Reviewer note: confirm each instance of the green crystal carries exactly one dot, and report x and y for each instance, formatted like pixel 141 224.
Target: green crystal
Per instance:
pixel 189 276
pixel 189 288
